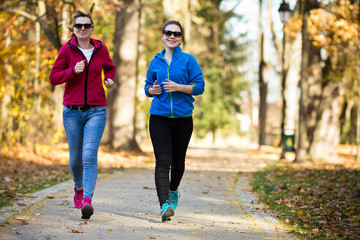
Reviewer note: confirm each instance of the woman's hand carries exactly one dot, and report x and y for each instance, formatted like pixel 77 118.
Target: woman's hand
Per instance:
pixel 79 67
pixel 108 83
pixel 155 89
pixel 171 86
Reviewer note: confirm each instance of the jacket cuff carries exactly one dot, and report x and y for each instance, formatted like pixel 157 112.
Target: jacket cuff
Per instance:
pixel 72 70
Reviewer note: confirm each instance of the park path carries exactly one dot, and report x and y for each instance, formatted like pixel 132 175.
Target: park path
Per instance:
pixel 216 203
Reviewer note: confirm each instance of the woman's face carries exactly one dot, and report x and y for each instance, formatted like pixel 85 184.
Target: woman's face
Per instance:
pixel 81 28
pixel 170 37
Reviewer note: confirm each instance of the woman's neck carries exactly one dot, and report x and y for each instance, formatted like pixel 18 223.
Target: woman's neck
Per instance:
pixel 84 43
pixel 168 55
pixel 168 52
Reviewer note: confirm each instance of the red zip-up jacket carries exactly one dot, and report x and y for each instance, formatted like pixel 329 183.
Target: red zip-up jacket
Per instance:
pixel 84 88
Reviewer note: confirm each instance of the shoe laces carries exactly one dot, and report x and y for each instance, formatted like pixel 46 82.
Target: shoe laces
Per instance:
pixel 174 196
pixel 165 206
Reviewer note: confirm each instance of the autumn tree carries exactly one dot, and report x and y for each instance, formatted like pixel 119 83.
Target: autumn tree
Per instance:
pixel 33 32
pixel 120 127
pixel 328 70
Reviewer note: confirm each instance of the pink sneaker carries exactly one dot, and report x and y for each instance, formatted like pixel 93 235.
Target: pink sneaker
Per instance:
pixel 86 209
pixel 78 197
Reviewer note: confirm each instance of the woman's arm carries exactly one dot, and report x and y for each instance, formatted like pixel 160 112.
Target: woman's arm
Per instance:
pixel 61 72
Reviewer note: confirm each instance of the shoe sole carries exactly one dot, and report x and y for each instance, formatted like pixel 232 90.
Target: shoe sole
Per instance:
pixel 169 212
pixel 86 212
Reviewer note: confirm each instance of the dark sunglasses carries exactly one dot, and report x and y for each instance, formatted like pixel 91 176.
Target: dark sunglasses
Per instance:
pixel 86 25
pixel 168 33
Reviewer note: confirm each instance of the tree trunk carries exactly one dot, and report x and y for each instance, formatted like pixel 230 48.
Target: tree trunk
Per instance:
pixel 326 133
pixel 5 100
pixel 120 127
pixel 301 151
pixel 140 115
pixel 346 121
pixel 57 94
pixel 292 66
pixel 262 82
pixel 358 85
pixel 65 23
pixel 313 92
pixel 41 10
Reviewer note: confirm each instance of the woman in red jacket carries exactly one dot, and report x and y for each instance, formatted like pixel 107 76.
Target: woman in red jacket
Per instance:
pixel 79 65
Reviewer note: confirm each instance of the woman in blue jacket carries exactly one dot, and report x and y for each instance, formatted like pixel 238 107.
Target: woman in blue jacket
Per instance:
pixel 172 79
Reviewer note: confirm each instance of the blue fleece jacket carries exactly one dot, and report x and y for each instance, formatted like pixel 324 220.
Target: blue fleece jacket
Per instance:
pixel 183 69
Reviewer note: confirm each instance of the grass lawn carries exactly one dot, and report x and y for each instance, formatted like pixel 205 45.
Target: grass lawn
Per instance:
pixel 315 201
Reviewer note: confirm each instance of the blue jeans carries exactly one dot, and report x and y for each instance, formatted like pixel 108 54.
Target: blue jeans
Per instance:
pixel 84 130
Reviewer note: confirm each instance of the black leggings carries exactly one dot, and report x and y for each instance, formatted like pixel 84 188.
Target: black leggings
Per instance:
pixel 170 138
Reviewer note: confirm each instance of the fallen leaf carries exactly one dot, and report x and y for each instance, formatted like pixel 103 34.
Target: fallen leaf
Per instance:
pixel 356 219
pixel 76 230
pixel 23 222
pixel 109 230
pixel 21 204
pixel 299 212
pixel 315 231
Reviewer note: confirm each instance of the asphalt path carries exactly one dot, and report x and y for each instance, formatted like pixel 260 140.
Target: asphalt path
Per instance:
pixel 216 203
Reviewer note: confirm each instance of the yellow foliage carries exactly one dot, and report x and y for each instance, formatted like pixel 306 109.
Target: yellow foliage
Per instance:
pixel 10 70
pixel 333 30
pixel 293 28
pixel 299 212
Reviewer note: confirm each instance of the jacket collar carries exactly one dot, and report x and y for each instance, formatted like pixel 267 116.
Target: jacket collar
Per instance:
pixel 176 51
pixel 95 43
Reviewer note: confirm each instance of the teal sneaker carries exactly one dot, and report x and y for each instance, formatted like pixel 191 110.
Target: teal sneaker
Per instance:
pixel 166 211
pixel 174 199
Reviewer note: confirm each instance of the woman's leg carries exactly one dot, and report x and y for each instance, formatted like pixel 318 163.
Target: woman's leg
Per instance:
pixel 74 127
pixel 182 129
pixel 94 127
pixel 160 135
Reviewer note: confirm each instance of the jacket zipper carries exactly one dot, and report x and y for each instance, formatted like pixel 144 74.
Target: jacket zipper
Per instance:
pixel 171 103
pixel 87 70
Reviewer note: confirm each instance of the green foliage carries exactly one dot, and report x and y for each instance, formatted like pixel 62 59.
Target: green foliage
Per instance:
pixel 222 56
pixel 154 21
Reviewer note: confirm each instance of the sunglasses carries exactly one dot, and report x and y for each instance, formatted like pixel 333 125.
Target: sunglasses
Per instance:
pixel 168 33
pixel 86 25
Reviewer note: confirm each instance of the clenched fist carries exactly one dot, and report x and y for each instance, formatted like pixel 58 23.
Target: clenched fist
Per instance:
pixel 109 83
pixel 80 66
